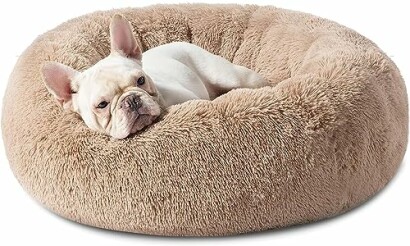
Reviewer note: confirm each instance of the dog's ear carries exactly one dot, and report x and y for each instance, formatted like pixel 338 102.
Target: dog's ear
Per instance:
pixel 57 78
pixel 122 39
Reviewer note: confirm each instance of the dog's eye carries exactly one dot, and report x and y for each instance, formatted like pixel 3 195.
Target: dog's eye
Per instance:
pixel 141 80
pixel 102 104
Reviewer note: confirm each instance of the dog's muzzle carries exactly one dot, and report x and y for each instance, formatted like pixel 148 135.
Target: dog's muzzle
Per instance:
pixel 131 102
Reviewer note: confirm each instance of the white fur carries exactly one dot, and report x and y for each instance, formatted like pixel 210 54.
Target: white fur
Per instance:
pixel 183 71
pixel 174 73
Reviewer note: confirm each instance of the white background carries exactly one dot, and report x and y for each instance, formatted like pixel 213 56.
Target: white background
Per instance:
pixel 384 220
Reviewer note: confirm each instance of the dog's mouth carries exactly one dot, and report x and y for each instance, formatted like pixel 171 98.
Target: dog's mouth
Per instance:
pixel 133 114
pixel 142 121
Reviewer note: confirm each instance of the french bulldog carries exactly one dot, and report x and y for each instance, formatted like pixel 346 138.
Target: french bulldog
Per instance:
pixel 126 91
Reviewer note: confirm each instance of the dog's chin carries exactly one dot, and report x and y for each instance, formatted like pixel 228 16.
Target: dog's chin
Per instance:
pixel 137 121
pixel 134 126
pixel 141 122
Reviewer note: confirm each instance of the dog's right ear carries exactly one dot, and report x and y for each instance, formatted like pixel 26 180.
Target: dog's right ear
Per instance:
pixel 57 78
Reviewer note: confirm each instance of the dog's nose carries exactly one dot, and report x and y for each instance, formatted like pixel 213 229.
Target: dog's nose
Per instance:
pixel 131 102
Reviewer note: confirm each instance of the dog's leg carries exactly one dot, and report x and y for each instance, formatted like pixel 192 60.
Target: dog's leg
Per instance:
pixel 220 76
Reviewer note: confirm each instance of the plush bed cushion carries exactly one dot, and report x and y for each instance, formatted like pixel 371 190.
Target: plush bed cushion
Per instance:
pixel 328 134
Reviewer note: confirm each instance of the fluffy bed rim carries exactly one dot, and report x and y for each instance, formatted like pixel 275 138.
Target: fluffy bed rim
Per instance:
pixel 328 134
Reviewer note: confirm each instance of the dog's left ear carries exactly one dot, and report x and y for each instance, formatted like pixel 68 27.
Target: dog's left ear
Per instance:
pixel 122 39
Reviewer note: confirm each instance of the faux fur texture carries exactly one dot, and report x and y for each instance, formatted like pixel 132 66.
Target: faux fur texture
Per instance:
pixel 329 133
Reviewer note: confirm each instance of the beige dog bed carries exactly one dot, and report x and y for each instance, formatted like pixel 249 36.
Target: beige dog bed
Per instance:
pixel 328 134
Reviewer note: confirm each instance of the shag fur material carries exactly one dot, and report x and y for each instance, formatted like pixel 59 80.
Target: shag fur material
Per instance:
pixel 329 133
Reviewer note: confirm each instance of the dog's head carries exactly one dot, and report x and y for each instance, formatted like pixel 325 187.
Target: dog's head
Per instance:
pixel 114 96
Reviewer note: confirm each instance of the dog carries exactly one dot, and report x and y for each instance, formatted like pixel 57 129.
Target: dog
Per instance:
pixel 126 91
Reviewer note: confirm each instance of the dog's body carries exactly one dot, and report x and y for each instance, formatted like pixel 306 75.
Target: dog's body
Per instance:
pixel 183 71
pixel 126 91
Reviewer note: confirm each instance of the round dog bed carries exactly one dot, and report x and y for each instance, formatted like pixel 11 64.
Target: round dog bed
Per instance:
pixel 328 134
